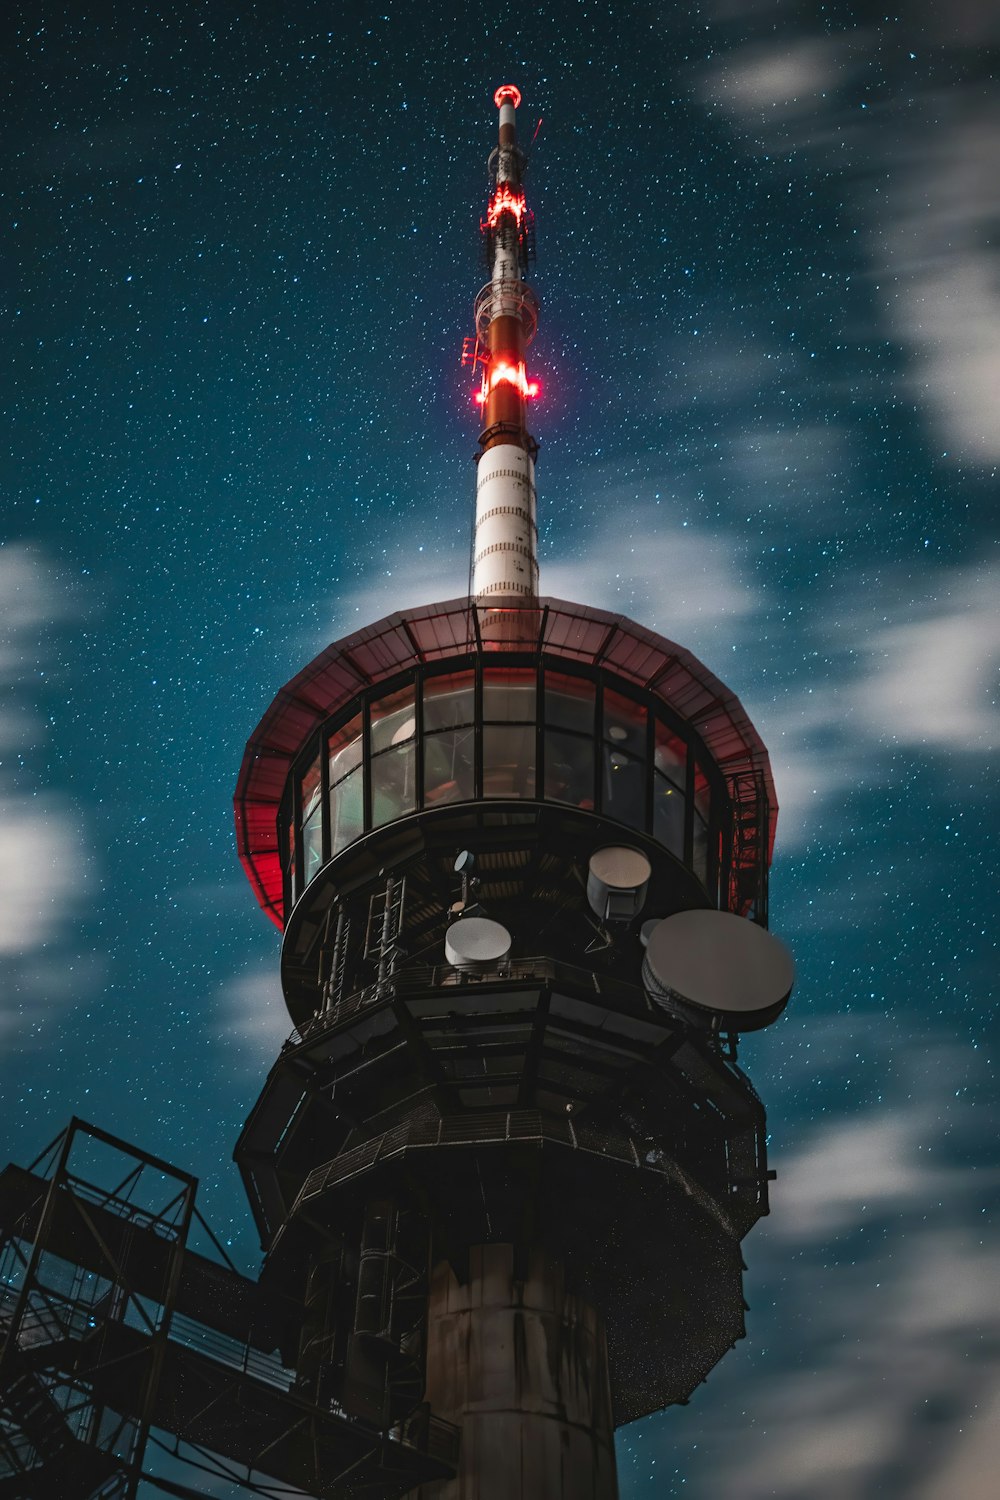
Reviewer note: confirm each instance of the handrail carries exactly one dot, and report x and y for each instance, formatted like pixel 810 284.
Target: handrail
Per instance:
pixel 416 977
pixel 230 1352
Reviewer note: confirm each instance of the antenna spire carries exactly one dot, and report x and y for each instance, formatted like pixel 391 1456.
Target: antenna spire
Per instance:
pixel 505 548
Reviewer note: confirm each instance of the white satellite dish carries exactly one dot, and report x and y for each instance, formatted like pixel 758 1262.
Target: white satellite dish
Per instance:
pixel 718 966
pixel 647 929
pixel 617 880
pixel 474 943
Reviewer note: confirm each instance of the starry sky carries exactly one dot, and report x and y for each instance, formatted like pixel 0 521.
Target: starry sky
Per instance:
pixel 240 253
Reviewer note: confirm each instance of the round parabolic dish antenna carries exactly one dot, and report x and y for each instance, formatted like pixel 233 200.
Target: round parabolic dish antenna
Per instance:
pixel 720 964
pixel 620 868
pixel 617 879
pixel 647 929
pixel 476 943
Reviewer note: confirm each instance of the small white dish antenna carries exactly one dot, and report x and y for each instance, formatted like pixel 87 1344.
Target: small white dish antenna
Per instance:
pixel 617 880
pixel 475 943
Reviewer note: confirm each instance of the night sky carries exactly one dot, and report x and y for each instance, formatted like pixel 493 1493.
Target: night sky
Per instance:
pixel 240 254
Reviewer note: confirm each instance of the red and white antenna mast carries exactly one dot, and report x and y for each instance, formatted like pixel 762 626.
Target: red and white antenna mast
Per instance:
pixel 505 549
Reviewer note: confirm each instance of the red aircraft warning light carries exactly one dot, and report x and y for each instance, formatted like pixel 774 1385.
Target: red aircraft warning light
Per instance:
pixel 507 93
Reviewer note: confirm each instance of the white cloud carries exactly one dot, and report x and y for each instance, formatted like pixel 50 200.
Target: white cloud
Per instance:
pixel 801 467
pixel 42 869
pixel 927 204
pixel 680 582
pixel 890 1336
pixel 44 863
pixel 409 577
pixel 917 666
pixel 786 78
pixel 969 1470
pixel 932 680
pixel 249 1016
pixel 30 602
pixel 852 1168
pixel 935 265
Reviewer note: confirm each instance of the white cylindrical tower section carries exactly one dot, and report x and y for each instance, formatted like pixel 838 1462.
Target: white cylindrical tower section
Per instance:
pixel 506 278
pixel 505 551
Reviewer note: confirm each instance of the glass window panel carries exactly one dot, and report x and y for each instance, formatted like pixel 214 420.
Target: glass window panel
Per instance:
pixel 311 790
pixel 699 853
pixel 449 767
pixel 668 815
pixel 312 846
pixel 290 860
pixel 394 719
pixel 448 701
pixel 624 723
pixel 702 792
pixel 569 769
pixel 508 761
pixel 344 750
pixel 624 787
pixel 394 783
pixel 670 755
pixel 509 695
pixel 569 703
pixel 347 810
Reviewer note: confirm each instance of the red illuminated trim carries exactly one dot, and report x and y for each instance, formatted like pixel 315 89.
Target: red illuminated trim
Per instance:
pixel 504 201
pixel 564 632
pixel 504 373
pixel 507 92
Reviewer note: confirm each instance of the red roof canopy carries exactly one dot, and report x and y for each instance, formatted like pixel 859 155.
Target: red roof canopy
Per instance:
pixel 436 632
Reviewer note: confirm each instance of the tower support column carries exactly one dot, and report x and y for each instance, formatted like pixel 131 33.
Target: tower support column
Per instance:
pixel 521 1367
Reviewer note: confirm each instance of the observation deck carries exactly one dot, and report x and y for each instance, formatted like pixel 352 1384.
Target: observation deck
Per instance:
pixel 576 708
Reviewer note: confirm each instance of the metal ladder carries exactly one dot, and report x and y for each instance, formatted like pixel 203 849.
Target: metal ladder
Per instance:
pixel 385 923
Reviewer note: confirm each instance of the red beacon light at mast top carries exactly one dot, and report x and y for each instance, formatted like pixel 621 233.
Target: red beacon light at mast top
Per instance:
pixel 508 93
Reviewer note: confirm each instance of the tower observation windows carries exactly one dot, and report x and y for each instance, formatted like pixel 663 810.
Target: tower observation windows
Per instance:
pixel 670 760
pixel 311 797
pixel 509 731
pixel 624 759
pixel 392 739
pixel 449 739
pixel 505 731
pixel 346 781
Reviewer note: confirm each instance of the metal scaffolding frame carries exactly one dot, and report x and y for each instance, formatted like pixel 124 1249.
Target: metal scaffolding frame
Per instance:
pixel 60 1313
pixel 115 1333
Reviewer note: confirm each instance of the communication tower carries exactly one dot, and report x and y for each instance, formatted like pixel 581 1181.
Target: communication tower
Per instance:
pixel 518 850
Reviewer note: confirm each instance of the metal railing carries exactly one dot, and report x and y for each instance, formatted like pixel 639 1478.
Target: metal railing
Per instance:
pixel 142 1218
pixel 230 1352
pixel 415 978
pixel 50 1318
